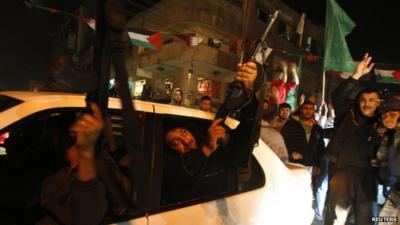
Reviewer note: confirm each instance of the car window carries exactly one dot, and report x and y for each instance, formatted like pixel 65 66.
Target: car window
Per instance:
pixel 7 102
pixel 191 177
pixel 34 149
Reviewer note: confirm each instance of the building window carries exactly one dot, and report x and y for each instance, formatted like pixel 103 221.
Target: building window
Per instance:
pixel 262 16
pixel 208 87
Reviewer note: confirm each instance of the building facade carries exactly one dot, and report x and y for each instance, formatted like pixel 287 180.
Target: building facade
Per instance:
pixel 223 26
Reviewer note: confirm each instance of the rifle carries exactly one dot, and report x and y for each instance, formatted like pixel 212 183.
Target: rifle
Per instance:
pixel 109 48
pixel 237 98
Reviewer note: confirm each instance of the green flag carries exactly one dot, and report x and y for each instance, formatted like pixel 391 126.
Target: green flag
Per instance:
pixel 337 26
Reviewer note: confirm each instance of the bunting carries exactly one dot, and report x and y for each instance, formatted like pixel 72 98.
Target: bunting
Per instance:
pixel 387 76
pixel 83 19
pixel 190 39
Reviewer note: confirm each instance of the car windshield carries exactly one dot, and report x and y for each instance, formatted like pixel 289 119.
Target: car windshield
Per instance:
pixel 7 102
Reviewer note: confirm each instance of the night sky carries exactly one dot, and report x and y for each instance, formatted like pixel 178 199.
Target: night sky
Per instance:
pixel 26 35
pixel 377 30
pixel 25 43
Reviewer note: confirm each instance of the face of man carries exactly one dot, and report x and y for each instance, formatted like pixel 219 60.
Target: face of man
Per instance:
pixel 307 111
pixel 181 140
pixel 205 105
pixel 390 119
pixel 178 96
pixel 369 102
pixel 284 113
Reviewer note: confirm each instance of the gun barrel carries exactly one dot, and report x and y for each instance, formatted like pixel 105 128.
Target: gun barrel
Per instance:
pixel 264 36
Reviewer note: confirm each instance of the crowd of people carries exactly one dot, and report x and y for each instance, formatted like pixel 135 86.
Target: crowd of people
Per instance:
pixel 349 146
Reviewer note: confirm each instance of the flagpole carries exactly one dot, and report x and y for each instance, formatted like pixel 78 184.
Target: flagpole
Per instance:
pixel 323 87
pixel 299 77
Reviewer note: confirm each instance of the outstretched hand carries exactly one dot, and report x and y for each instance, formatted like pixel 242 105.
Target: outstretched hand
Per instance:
pixel 363 67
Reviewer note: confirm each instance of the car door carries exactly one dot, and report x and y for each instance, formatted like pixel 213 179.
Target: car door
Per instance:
pixel 192 204
pixel 34 147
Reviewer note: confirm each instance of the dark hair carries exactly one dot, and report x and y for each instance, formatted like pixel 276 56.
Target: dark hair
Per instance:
pixel 205 97
pixel 307 102
pixel 368 90
pixel 199 132
pixel 285 105
pixel 392 104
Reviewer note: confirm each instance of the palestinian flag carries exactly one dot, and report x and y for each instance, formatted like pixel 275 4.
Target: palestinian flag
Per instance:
pixel 387 76
pixel 145 38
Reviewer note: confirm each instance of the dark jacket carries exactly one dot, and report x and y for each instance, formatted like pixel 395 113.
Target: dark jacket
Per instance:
pixel 394 154
pixel 70 201
pixel 355 140
pixel 389 157
pixel 295 139
pixel 193 174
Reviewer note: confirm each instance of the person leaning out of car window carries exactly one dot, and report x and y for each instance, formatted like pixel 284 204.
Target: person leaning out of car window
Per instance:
pixel 74 194
pixel 183 141
pixel 196 156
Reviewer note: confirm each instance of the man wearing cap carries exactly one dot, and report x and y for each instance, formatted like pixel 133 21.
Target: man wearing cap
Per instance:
pixel 353 184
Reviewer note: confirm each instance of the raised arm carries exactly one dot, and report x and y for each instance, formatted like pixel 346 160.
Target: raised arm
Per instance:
pixel 240 141
pixel 340 96
pixel 87 189
pixel 284 73
pixel 87 129
pixel 295 76
pixel 247 73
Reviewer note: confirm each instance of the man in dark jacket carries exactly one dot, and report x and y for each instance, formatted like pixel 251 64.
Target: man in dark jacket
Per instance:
pixel 200 166
pixel 305 143
pixel 352 184
pixel 303 137
pixel 75 194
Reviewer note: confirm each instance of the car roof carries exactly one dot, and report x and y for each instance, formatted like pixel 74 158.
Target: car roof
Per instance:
pixel 33 102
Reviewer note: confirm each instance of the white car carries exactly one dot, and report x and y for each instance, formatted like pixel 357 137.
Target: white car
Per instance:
pixel 278 194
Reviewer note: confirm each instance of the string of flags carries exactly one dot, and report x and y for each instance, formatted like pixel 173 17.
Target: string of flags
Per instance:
pixel 155 39
pixel 387 76
pixel 83 19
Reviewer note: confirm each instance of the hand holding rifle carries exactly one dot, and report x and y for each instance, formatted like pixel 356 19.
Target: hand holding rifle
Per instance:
pixel 246 73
